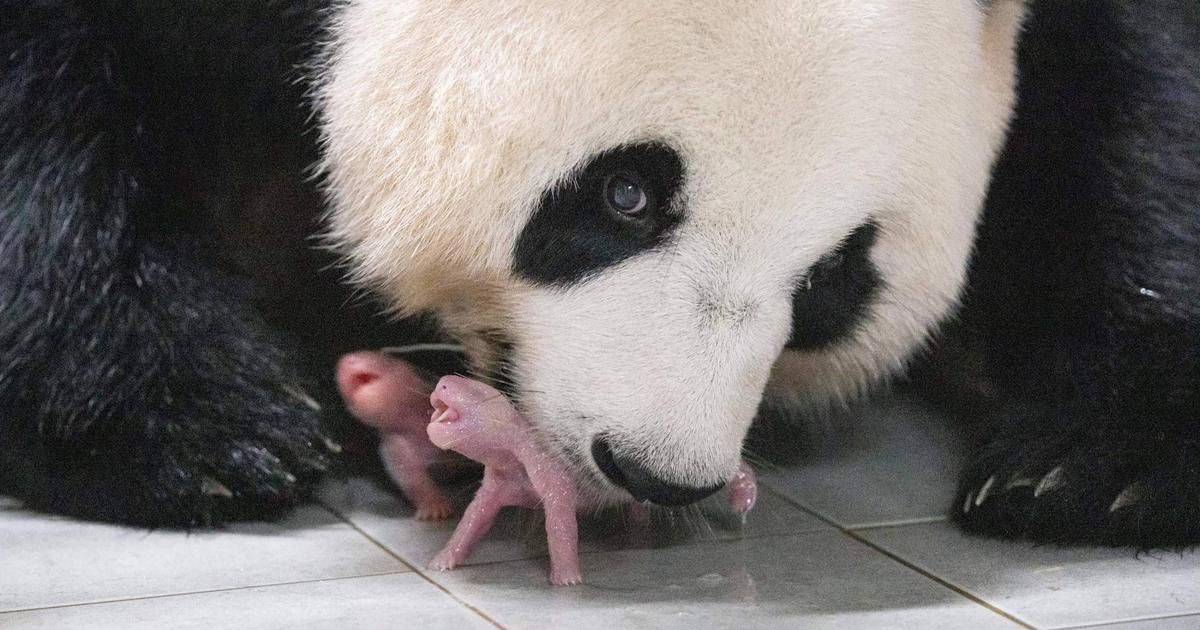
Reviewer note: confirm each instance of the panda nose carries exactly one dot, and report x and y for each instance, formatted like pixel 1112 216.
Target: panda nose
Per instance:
pixel 640 482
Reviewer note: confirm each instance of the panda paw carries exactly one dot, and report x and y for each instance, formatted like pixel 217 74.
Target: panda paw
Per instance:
pixel 1119 488
pixel 195 461
pixel 251 463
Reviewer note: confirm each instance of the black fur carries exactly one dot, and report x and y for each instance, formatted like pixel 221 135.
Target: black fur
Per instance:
pixel 573 234
pixel 1085 292
pixel 153 217
pixel 832 298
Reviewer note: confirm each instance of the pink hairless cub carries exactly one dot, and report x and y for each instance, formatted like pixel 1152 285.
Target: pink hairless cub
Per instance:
pixel 479 422
pixel 386 393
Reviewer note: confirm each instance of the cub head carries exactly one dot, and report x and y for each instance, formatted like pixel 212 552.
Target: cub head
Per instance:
pixel 640 216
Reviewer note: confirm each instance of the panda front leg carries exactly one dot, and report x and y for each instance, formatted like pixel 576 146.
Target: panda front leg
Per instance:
pixel 136 383
pixel 167 404
pixel 1086 287
pixel 1093 432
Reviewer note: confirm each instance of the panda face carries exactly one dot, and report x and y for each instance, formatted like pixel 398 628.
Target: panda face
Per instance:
pixel 641 216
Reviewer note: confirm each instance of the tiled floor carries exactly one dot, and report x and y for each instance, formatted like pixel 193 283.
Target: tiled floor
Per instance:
pixel 852 539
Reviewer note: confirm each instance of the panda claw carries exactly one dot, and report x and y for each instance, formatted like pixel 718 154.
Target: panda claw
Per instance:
pixel 985 491
pixel 214 488
pixel 1130 496
pixel 1018 481
pixel 296 392
pixel 966 508
pixel 321 465
pixel 1050 481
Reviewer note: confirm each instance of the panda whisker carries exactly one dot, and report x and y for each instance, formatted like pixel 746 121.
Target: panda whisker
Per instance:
pixel 423 347
pixel 698 522
pixel 758 462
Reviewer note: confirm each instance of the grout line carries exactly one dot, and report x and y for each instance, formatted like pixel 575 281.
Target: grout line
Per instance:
pixel 1100 624
pixel 904 522
pixel 673 545
pixel 853 535
pixel 939 580
pixel 415 570
pixel 121 600
pixel 899 522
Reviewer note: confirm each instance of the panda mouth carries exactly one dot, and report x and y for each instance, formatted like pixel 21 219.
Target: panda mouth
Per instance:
pixel 443 414
pixel 594 485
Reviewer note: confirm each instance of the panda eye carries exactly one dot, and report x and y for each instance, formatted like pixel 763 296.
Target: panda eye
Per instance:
pixel 625 195
pixel 617 205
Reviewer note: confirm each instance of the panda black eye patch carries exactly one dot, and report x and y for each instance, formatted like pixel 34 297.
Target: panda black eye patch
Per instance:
pixel 831 299
pixel 618 205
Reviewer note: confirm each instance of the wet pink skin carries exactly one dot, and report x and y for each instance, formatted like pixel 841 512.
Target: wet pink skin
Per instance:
pixel 743 490
pixel 384 392
pixel 479 422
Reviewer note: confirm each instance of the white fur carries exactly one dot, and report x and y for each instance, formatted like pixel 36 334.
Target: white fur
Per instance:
pixel 797 120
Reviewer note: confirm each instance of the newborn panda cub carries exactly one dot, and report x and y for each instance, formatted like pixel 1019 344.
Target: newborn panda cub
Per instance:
pixel 477 421
pixel 387 394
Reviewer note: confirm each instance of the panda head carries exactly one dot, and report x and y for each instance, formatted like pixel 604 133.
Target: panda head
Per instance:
pixel 640 216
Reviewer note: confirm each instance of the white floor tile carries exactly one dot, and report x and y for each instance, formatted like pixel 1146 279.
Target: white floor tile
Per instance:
pixel 1049 586
pixel 48 561
pixel 385 602
pixel 1170 623
pixel 887 462
pixel 815 580
pixel 784 568
pixel 520 534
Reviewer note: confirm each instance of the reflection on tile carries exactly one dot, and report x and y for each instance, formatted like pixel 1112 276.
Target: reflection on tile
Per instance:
pixel 384 602
pixel 815 580
pixel 48 561
pixel 389 520
pixel 889 461
pixel 520 534
pixel 1050 586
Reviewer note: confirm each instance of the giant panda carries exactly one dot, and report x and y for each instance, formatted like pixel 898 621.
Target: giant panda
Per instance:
pixel 657 226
